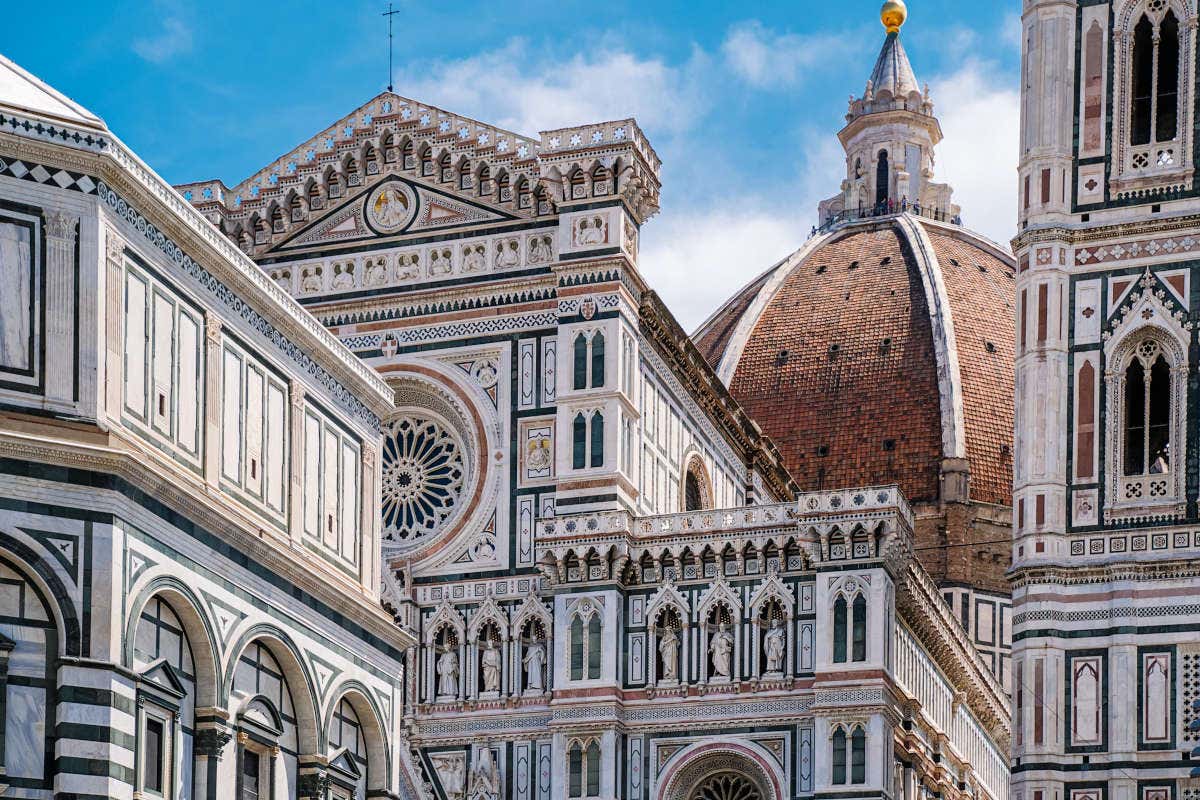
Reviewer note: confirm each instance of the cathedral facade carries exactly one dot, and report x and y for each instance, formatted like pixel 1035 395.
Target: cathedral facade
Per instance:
pixel 1106 626
pixel 385 473
pixel 617 588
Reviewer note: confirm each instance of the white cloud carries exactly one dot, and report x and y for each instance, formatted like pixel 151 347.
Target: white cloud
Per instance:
pixel 174 38
pixel 980 115
pixel 767 59
pixel 522 90
pixel 697 260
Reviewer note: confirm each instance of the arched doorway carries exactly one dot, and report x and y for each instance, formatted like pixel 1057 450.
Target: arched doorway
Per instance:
pixel 722 770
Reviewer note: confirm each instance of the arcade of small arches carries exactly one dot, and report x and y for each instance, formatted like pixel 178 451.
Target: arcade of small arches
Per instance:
pixel 523 192
pixel 687 556
pixel 190 709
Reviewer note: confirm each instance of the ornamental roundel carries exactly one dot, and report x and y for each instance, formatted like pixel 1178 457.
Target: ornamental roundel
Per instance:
pixel 424 471
pixel 391 207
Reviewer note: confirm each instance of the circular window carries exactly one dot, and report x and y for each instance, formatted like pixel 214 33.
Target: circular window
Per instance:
pixel 424 470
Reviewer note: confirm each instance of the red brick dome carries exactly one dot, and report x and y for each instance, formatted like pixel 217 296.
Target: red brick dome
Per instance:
pixel 879 352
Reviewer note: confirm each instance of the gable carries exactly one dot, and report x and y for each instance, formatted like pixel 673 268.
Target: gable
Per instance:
pixel 393 207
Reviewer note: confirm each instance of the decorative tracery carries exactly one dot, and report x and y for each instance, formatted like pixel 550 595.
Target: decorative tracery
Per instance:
pixel 424 470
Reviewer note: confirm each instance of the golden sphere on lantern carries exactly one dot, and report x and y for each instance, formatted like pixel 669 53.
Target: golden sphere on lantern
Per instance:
pixel 893 14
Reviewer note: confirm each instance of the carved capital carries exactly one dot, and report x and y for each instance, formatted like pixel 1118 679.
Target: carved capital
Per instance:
pixel 114 246
pixel 212 328
pixel 296 395
pixel 313 785
pixel 211 741
pixel 60 225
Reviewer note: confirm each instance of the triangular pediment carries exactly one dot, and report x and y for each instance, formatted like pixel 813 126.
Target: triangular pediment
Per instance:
pixel 165 677
pixel 343 762
pixel 393 207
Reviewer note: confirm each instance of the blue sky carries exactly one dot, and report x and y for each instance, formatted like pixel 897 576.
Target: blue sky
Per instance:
pixel 742 101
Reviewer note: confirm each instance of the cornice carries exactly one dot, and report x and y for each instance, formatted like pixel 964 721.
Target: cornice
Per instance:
pixel 920 606
pixel 689 365
pixel 1076 575
pixel 118 167
pixel 1065 234
pixel 214 512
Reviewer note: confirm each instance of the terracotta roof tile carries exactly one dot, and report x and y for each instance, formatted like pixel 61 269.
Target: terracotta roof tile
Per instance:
pixel 840 369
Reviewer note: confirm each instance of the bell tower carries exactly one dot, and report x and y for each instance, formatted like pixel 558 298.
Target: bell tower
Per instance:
pixel 889 138
pixel 1105 653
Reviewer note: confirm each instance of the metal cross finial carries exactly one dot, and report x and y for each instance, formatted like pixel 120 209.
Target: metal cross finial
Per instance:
pixel 389 14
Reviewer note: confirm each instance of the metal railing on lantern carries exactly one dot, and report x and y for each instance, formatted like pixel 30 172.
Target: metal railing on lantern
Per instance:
pixel 883 209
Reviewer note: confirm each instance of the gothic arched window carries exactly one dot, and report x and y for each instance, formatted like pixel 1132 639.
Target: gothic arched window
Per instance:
pixel 881 178
pixel 579 442
pixel 839 757
pixel 693 498
pixel 577 649
pixel 580 358
pixel 858 756
pixel 859 649
pixel 585 647
pixel 1154 104
pixel 597 440
pixel 1147 412
pixel 597 360
pixel 593 647
pixel 583 769
pixel 839 629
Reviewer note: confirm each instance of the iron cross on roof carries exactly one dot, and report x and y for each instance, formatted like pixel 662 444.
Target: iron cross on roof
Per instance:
pixel 389 14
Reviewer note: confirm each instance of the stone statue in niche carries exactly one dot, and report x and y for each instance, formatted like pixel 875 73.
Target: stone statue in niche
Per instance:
pixel 668 649
pixel 447 673
pixel 720 647
pixel 489 661
pixel 507 254
pixel 485 777
pixel 535 662
pixel 774 645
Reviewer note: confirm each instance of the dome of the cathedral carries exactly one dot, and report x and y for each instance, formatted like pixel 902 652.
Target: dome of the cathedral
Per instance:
pixel 879 352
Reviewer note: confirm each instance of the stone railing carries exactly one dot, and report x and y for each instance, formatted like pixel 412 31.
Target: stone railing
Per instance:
pixel 885 209
pixel 844 506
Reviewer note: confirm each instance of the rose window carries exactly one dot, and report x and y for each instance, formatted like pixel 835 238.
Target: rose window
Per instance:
pixel 726 786
pixel 423 474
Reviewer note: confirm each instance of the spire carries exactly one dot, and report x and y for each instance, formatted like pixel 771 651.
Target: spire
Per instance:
pixel 892 71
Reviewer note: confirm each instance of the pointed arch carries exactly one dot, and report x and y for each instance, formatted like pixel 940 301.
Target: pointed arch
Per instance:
pixel 487 612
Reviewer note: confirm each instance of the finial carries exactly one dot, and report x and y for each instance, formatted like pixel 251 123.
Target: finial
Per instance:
pixel 893 14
